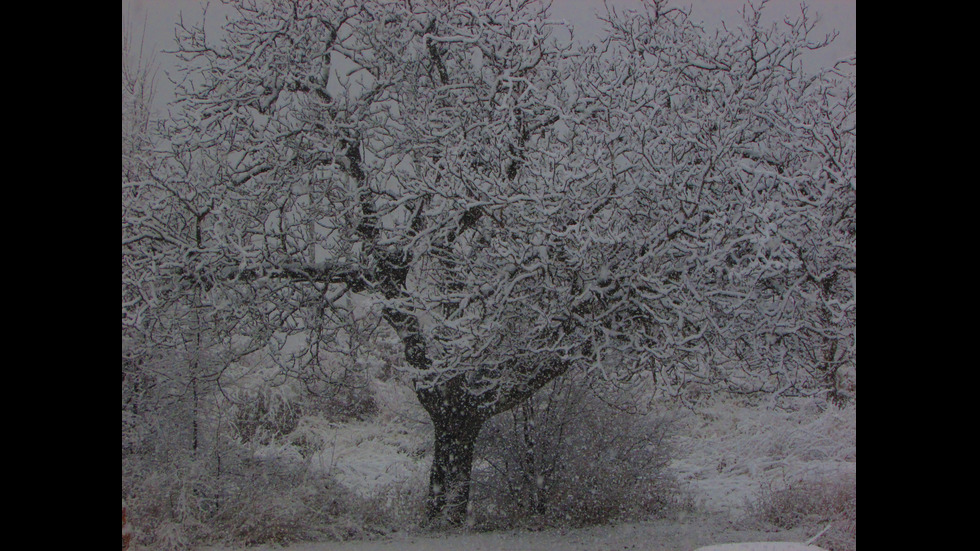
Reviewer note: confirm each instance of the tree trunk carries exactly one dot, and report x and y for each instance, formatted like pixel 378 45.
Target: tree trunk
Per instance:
pixel 449 478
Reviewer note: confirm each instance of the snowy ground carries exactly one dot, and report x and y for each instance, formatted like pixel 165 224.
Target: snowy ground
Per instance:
pixel 726 456
pixel 658 535
pixel 729 454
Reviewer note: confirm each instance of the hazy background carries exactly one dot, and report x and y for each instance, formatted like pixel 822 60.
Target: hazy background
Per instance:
pixel 840 15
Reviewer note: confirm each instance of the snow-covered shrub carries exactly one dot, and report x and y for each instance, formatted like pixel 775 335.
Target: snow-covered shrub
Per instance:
pixel 263 416
pixel 813 504
pixel 227 484
pixel 346 400
pixel 265 413
pixel 236 496
pixel 167 502
pixel 569 458
pixel 398 505
pixel 279 501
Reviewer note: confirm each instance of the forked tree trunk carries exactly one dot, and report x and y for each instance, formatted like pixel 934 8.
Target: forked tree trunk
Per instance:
pixel 452 465
pixel 457 414
pixel 456 421
pixel 457 417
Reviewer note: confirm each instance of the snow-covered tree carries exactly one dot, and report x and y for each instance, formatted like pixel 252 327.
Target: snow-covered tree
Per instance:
pixel 515 207
pixel 138 72
pixel 741 204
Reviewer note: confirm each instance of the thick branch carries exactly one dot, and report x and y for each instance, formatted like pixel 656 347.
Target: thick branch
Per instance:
pixel 324 272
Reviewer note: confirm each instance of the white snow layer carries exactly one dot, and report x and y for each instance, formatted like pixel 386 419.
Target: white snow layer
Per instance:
pixel 762 546
pixel 727 455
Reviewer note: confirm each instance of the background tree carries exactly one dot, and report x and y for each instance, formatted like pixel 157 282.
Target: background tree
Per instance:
pixel 138 71
pixel 513 207
pixel 744 185
pixel 138 85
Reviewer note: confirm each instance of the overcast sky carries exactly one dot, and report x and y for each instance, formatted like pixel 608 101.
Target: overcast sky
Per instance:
pixel 161 15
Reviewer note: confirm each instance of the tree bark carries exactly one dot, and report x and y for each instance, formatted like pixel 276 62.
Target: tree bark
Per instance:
pixel 452 465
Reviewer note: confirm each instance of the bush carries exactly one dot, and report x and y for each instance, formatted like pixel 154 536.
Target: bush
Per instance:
pixel 254 476
pixel 278 502
pixel 813 504
pixel 250 501
pixel 567 458
pixel 247 482
pixel 266 413
pixel 395 506
pixel 264 416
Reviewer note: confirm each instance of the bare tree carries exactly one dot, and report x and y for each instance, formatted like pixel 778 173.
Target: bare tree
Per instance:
pixel 515 206
pixel 138 75
pixel 138 85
